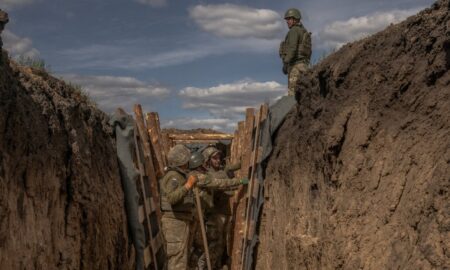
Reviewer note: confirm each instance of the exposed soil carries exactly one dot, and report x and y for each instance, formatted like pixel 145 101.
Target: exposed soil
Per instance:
pixel 61 202
pixel 359 177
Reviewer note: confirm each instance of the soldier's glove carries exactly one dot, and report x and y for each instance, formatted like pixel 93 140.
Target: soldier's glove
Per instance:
pixel 244 181
pixel 190 183
pixel 285 69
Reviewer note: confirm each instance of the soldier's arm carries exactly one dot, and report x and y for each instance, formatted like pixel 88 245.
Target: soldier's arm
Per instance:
pixel 232 167
pixel 211 182
pixel 291 44
pixel 174 190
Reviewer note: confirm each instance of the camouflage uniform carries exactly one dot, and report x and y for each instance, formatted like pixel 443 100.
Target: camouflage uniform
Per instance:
pixel 216 217
pixel 177 204
pixel 215 223
pixel 295 56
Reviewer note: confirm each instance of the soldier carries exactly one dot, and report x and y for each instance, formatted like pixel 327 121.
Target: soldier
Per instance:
pixel 3 21
pixel 295 50
pixel 209 181
pixel 177 205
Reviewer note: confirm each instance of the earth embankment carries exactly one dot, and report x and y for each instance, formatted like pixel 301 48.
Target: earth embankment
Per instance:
pixel 61 202
pixel 359 177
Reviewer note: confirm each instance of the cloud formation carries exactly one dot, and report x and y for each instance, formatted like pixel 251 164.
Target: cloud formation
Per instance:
pixel 112 92
pixel 153 3
pixel 336 34
pixel 233 21
pixel 18 46
pixel 8 4
pixel 229 101
pixel 116 56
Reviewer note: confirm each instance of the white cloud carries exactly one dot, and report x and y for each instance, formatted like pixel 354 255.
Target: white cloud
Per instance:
pixel 112 92
pixel 7 4
pixel 104 56
pixel 225 103
pixel 336 34
pixel 153 3
pixel 230 100
pixel 222 124
pixel 233 21
pixel 18 46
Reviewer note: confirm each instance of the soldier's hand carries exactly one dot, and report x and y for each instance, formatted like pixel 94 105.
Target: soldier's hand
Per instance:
pixel 190 183
pixel 244 181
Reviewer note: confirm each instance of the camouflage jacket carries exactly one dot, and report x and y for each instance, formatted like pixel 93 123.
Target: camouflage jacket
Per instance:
pixel 211 181
pixel 174 195
pixel 293 51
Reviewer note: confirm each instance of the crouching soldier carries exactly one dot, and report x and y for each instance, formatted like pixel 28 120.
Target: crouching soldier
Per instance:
pixel 177 205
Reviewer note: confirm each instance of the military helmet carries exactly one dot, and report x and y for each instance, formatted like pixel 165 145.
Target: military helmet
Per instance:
pixel 3 17
pixel 196 160
pixel 178 155
pixel 209 152
pixel 294 13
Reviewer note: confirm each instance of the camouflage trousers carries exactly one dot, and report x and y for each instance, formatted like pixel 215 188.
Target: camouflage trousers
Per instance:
pixel 177 230
pixel 294 74
pixel 215 231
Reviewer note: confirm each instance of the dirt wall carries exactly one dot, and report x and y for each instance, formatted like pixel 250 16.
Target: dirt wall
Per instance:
pixel 61 202
pixel 359 177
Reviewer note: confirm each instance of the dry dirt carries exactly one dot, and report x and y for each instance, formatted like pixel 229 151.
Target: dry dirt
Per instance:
pixel 61 202
pixel 360 176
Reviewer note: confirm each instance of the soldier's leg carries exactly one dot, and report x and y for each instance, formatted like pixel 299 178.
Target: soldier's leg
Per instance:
pixel 294 74
pixel 176 232
pixel 215 225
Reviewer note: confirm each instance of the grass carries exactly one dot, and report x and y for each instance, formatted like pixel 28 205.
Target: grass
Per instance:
pixel 32 62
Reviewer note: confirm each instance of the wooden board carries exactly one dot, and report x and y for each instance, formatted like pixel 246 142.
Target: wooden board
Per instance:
pixel 239 204
pixel 149 211
pixel 200 136
pixel 158 153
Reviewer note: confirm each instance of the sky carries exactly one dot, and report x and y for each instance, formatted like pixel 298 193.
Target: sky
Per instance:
pixel 199 64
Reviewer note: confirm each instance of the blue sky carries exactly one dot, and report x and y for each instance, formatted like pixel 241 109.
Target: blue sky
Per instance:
pixel 197 63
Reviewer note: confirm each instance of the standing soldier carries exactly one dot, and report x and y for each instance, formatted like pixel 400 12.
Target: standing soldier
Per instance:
pixel 295 50
pixel 177 205
pixel 218 217
pixel 3 21
pixel 208 182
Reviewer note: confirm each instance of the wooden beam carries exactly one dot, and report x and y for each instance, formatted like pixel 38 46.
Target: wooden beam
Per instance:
pixel 240 200
pixel 152 120
pixel 253 187
pixel 148 159
pixel 200 136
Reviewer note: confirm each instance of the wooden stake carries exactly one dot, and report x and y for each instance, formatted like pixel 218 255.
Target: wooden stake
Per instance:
pixel 202 227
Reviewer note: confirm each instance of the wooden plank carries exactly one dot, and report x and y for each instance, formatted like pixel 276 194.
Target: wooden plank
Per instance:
pixel 147 257
pixel 234 145
pixel 147 210
pixel 240 200
pixel 163 151
pixel 196 141
pixel 200 136
pixel 141 213
pixel 167 142
pixel 155 143
pixel 148 160
pixel 251 186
